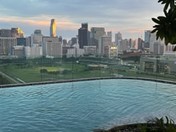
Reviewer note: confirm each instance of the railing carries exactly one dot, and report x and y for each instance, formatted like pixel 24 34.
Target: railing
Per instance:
pixel 27 71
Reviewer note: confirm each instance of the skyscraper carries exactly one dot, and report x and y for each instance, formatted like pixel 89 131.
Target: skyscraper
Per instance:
pixel 96 34
pixel 109 34
pixel 147 35
pixel 118 38
pixel 104 45
pixel 36 37
pixel 53 28
pixel 83 35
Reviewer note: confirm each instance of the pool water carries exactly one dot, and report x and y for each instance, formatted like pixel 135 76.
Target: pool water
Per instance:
pixel 84 106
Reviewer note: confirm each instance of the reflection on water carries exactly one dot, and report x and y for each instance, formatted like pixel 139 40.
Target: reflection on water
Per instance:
pixel 84 106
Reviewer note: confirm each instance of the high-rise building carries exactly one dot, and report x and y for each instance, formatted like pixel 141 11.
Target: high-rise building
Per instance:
pixel 13 32
pixel 147 35
pixel 60 39
pixel 96 34
pixel 18 51
pixel 53 28
pixel 90 50
pixel 113 51
pixel 64 41
pixel 104 45
pixel 140 45
pixel 83 35
pixel 17 32
pixel 73 41
pixel 6 44
pixel 52 47
pixel 22 41
pixel 124 45
pixel 38 32
pixel 36 38
pixel 33 52
pixel 155 44
pixel 118 38
pixel 109 34
pixel 168 49
pixel 158 48
pixel 5 33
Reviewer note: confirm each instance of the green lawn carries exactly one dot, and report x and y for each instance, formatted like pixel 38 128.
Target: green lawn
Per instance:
pixel 73 71
pixel 32 74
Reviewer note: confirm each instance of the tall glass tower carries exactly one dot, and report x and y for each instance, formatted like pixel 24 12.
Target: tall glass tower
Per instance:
pixel 83 35
pixel 53 28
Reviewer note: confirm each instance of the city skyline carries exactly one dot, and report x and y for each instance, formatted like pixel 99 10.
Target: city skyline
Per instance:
pixel 129 18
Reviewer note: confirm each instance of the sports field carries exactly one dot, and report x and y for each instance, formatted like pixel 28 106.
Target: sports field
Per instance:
pixel 26 74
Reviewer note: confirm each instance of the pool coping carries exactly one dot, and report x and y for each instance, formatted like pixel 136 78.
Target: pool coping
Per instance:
pixel 85 79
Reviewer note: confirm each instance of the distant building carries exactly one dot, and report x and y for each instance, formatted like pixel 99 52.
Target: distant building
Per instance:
pixel 124 46
pixel 156 46
pixel 50 39
pixel 118 38
pixel 90 50
pixel 140 44
pixel 22 41
pixel 65 50
pixel 36 38
pixel 52 47
pixel 96 34
pixel 18 51
pixel 74 41
pixel 113 51
pixel 147 36
pixel 159 64
pixel 28 41
pixel 64 42
pixel 75 52
pixel 168 50
pixel 17 32
pixel 53 28
pixel 6 44
pixel 13 32
pixel 60 39
pixel 5 33
pixel 104 45
pixel 109 34
pixel 133 45
pixel 83 35
pixel 38 32
pixel 71 52
pixel 33 52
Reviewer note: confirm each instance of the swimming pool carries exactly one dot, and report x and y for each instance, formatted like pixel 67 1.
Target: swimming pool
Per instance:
pixel 84 106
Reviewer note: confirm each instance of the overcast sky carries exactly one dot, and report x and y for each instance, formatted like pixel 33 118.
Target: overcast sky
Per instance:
pixel 130 17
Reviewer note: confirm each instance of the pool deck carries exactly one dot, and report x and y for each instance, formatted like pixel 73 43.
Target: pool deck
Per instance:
pixel 84 79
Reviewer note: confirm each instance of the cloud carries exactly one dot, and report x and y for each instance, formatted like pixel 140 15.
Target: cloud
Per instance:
pixel 63 23
pixel 76 8
pixel 112 14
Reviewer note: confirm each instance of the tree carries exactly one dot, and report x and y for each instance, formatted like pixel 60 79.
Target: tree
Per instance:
pixel 165 27
pixel 43 71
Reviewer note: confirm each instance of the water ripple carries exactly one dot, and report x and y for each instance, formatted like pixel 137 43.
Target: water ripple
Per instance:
pixel 84 106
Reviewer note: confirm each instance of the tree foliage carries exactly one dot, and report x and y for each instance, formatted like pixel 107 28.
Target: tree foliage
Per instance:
pixel 165 27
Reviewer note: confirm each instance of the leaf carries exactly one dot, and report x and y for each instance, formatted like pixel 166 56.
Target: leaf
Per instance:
pixel 154 30
pixel 155 20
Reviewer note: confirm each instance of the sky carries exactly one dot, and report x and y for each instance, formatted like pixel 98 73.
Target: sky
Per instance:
pixel 130 17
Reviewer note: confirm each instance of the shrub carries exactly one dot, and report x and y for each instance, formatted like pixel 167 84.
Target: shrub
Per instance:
pixel 43 71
